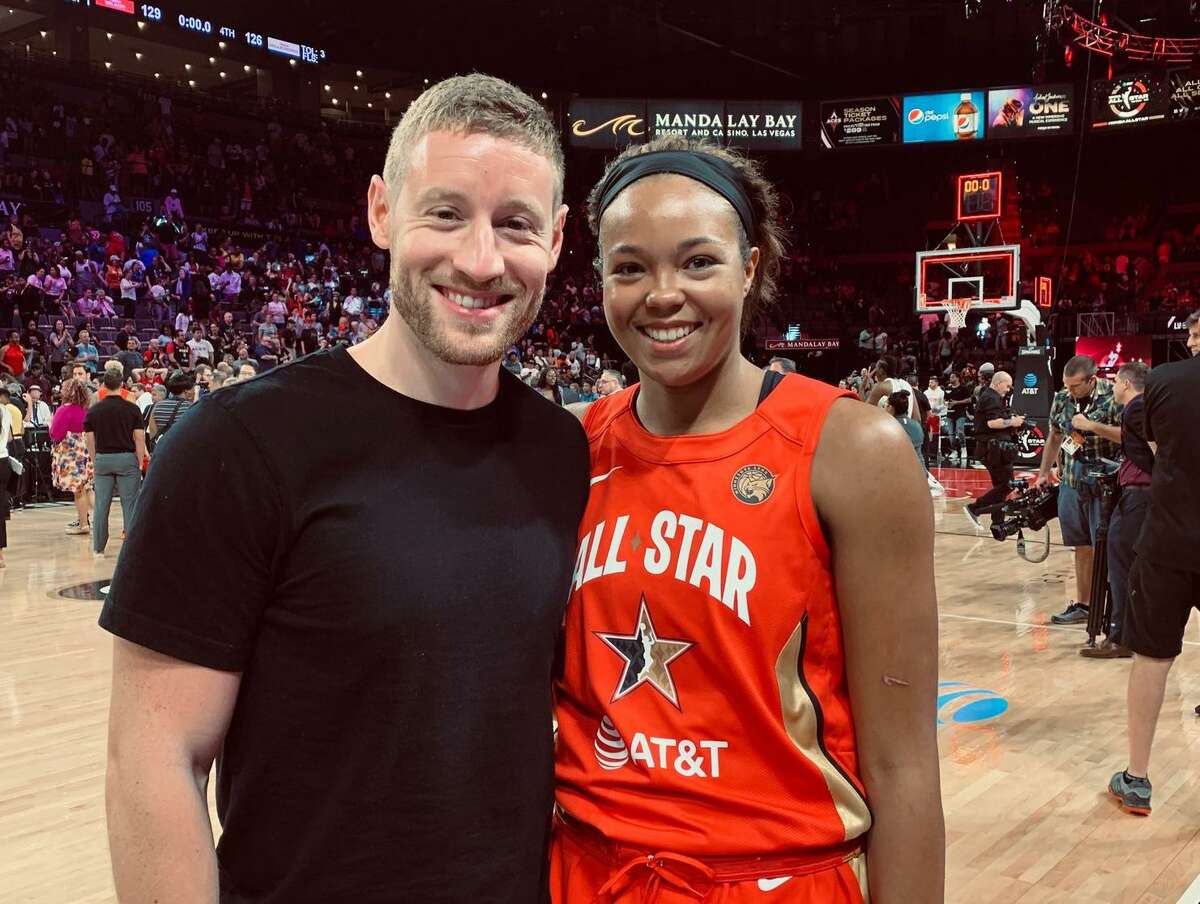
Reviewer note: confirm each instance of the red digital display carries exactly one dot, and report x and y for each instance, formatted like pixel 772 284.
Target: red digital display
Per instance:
pixel 1045 292
pixel 117 6
pixel 979 197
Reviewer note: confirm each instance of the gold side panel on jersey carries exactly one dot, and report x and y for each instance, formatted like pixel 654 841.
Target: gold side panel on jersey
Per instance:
pixel 800 721
pixel 858 863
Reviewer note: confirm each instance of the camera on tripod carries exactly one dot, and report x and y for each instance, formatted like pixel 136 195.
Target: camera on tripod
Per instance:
pixel 1032 509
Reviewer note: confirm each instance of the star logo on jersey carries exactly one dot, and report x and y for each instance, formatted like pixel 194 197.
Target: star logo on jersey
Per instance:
pixel 753 484
pixel 647 657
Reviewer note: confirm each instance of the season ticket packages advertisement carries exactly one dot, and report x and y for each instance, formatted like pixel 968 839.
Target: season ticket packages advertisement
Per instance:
pixel 1129 101
pixel 1030 110
pixel 856 123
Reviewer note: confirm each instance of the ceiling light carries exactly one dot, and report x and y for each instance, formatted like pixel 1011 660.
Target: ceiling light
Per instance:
pixel 335 101
pixel 192 83
pixel 158 75
pixel 187 66
pixel 544 95
pixel 107 64
pixel 356 87
pixel 387 94
pixel 326 87
pixel 212 61
pixel 221 74
pixel 43 33
pixel 358 72
pixel 221 44
pixel 247 68
pixel 108 34
pixel 292 62
pixel 141 26
pixel 427 81
pixel 138 54
pixel 370 105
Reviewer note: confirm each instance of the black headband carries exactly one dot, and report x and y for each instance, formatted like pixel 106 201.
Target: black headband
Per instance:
pixel 704 168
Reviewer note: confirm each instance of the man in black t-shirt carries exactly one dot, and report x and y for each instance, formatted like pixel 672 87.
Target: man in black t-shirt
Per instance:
pixel 116 443
pixel 390 550
pixel 994 423
pixel 1164 585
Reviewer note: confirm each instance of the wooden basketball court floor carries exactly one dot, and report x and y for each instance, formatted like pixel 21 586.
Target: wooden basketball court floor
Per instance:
pixel 1026 751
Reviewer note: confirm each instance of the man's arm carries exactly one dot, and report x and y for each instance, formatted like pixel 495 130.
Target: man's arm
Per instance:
pixel 139 445
pixel 1107 431
pixel 89 440
pixel 872 496
pixel 878 391
pixel 166 722
pixel 1050 454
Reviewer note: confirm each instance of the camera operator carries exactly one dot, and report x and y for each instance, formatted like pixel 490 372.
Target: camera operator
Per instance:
pixel 1164 585
pixel 1079 494
pixel 995 444
pixel 1137 464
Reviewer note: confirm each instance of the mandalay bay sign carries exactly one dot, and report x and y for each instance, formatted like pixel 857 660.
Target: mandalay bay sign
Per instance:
pixel 754 125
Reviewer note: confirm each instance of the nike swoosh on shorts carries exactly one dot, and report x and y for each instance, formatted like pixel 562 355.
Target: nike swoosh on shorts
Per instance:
pixel 600 478
pixel 772 884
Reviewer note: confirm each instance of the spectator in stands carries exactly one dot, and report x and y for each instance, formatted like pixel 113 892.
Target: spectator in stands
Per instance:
pixel 116 441
pixel 13 358
pixel 37 377
pixel 128 356
pixel 199 348
pixel 70 460
pixel 782 365
pixel 6 473
pixel 86 351
pixel 173 207
pixel 59 345
pixel 33 341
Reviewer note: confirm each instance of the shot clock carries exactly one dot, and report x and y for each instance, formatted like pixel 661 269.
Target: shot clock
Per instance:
pixel 979 197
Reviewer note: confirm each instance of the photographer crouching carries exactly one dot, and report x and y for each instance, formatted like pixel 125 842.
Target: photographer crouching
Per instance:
pixel 1133 501
pixel 995 445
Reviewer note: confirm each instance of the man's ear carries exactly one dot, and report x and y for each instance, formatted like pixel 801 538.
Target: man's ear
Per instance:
pixel 556 235
pixel 378 211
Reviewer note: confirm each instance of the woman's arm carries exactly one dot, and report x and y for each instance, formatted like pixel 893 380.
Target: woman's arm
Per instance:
pixel 872 497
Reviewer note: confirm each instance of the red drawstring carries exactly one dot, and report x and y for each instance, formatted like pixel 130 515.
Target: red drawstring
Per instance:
pixel 661 869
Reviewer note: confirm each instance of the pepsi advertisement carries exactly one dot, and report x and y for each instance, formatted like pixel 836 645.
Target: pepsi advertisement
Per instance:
pixel 1030 110
pixel 855 123
pixel 957 116
pixel 1132 100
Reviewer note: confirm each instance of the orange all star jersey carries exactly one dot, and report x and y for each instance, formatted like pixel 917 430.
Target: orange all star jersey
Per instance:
pixel 703 706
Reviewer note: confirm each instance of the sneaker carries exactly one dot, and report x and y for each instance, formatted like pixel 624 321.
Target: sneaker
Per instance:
pixel 1106 650
pixel 76 528
pixel 1133 793
pixel 1074 614
pixel 973 517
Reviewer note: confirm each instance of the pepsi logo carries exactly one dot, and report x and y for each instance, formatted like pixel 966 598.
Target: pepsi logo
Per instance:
pixel 915 115
pixel 610 749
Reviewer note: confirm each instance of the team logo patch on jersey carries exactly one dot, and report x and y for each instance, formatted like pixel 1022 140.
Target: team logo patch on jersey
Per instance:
pixel 753 484
pixel 647 657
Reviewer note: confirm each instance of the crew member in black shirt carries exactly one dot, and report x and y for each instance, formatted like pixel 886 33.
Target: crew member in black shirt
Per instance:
pixel 994 423
pixel 1164 585
pixel 388 534
pixel 116 442
pixel 1133 501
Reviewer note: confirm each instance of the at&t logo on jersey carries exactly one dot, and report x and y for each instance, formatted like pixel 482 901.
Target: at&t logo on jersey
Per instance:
pixel 683 756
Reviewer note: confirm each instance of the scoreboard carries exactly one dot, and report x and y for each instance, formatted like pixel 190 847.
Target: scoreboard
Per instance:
pixel 197 20
pixel 979 197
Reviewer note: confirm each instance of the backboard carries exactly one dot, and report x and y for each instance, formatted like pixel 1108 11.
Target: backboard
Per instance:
pixel 989 275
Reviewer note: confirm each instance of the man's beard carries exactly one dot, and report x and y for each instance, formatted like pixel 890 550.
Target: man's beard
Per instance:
pixel 412 300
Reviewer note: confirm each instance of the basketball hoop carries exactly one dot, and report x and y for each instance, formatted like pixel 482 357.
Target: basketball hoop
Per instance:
pixel 956 314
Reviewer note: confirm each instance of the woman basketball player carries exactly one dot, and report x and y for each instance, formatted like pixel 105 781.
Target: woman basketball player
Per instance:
pixel 751 653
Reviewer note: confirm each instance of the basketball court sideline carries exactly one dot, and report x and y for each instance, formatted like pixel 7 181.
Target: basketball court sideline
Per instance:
pixel 1029 732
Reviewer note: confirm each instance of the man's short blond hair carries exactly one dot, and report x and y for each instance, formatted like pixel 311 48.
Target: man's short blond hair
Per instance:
pixel 115 366
pixel 474 104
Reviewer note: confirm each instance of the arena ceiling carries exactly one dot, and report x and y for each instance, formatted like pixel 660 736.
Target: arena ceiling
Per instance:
pixel 767 48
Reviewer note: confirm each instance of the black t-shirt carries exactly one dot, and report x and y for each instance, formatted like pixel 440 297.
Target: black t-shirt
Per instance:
pixel 390 578
pixel 990 407
pixel 959 393
pixel 113 420
pixel 1171 531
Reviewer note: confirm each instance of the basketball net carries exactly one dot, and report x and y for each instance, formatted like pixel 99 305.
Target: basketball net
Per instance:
pixel 956 314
